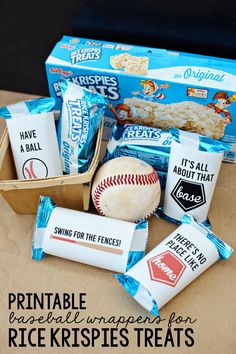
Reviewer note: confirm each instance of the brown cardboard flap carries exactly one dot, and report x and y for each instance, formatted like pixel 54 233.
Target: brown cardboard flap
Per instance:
pixel 7 185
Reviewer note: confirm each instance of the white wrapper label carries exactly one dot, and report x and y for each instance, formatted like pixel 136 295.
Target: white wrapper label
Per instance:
pixel 88 238
pixel 191 181
pixel 34 146
pixel 174 263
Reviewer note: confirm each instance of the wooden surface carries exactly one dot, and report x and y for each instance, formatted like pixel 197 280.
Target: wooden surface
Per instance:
pixel 210 299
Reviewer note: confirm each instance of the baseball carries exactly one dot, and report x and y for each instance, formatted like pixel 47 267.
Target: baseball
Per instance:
pixel 126 188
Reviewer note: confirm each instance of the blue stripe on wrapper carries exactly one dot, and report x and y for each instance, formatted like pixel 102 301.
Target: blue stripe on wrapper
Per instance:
pixel 224 250
pixel 159 213
pixel 28 108
pixel 205 143
pixel 133 258
pixel 143 224
pixel 135 289
pixel 130 284
pixel 44 212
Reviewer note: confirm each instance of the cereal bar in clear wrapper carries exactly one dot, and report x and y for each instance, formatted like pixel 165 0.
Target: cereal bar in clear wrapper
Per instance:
pixel 173 264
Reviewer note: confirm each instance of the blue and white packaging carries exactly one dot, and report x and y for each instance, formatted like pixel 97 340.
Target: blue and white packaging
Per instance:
pixel 32 133
pixel 149 144
pixel 87 238
pixel 150 86
pixel 173 264
pixel 81 116
pixel 194 165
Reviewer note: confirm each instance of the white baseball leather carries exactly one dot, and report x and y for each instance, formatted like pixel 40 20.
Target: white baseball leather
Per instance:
pixel 126 188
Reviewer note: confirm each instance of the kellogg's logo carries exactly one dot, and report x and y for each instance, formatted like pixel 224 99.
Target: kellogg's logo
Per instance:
pixel 166 268
pixel 67 46
pixel 60 71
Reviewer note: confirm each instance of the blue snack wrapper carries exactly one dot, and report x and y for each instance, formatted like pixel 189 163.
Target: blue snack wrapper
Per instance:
pixel 32 134
pixel 149 144
pixel 44 234
pixel 81 116
pixel 173 264
pixel 193 169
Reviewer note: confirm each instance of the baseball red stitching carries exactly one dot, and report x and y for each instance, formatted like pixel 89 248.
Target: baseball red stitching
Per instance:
pixel 28 171
pixel 32 169
pixel 124 179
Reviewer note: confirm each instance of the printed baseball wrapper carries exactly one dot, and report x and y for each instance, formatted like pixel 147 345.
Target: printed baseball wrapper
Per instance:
pixel 87 238
pixel 33 139
pixel 173 264
pixel 149 144
pixel 193 169
pixel 81 116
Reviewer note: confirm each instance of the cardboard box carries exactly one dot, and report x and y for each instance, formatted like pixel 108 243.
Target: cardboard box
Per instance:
pixel 71 191
pixel 152 86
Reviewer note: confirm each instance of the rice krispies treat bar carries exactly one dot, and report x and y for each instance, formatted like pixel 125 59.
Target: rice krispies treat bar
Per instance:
pixel 186 115
pixel 131 64
pixel 120 61
pixel 137 66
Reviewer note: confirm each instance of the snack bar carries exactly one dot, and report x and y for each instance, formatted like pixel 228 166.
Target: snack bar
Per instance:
pixel 173 264
pixel 87 238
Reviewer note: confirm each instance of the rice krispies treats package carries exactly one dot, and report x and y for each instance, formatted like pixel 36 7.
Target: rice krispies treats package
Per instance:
pixel 150 86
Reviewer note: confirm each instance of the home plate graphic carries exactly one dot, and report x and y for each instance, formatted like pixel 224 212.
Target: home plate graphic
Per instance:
pixel 34 168
pixel 166 268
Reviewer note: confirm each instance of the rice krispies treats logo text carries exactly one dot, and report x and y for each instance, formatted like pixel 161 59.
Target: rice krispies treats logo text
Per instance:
pixel 141 133
pixel 189 195
pixel 78 120
pixel 166 268
pixel 106 85
pixel 85 54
